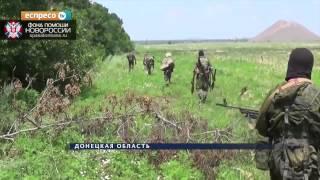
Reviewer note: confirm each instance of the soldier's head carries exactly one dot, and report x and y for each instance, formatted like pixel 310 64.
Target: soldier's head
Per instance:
pixel 201 53
pixel 168 54
pixel 300 64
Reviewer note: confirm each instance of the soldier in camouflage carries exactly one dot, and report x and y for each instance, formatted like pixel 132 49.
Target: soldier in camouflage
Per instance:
pixel 167 67
pixel 148 62
pixel 289 119
pixel 131 60
pixel 203 77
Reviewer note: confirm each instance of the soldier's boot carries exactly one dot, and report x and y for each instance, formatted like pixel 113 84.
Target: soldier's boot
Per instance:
pixel 204 98
pixel 167 82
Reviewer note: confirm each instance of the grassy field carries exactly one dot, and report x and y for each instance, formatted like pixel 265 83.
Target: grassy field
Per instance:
pixel 258 67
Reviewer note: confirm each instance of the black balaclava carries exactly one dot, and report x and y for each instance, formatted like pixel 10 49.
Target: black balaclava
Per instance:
pixel 300 64
pixel 201 53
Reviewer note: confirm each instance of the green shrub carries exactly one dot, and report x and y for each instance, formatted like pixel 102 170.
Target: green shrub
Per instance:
pixel 180 168
pixel 28 96
pixel 11 105
pixel 95 40
pixel 7 114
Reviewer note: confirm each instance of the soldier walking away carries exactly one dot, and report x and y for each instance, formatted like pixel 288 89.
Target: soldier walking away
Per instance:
pixel 289 119
pixel 203 77
pixel 131 60
pixel 167 68
pixel 148 62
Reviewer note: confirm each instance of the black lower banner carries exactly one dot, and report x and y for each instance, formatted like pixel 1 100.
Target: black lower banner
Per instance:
pixel 163 146
pixel 16 29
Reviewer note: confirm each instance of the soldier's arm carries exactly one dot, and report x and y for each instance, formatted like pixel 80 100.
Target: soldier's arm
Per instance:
pixel 262 123
pixel 195 71
pixel 211 67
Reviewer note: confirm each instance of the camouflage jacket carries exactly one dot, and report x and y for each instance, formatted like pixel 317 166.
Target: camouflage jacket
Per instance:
pixel 131 57
pixel 203 67
pixel 148 60
pixel 303 93
pixel 167 64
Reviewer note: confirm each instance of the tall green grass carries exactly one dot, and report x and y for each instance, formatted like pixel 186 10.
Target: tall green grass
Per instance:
pixel 238 65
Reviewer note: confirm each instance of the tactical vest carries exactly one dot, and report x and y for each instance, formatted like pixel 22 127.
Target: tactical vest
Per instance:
pixel 167 64
pixel 204 62
pixel 294 131
pixel 203 67
pixel 149 61
pixel 130 57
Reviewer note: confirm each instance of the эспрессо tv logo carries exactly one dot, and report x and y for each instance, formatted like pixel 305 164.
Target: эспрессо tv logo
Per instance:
pixel 13 30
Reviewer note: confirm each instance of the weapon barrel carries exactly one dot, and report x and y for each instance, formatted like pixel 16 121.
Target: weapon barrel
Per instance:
pixel 249 113
pixel 235 107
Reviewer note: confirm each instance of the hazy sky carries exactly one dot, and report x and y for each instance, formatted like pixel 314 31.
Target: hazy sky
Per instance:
pixel 209 19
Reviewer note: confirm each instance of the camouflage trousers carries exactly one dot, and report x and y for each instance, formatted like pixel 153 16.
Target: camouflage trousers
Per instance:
pixel 148 69
pixel 202 88
pixel 202 95
pixel 131 65
pixel 167 76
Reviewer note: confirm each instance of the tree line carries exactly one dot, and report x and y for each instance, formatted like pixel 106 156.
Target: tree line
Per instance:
pixel 99 34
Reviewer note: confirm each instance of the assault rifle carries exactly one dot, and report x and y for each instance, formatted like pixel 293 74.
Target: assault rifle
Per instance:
pixel 213 78
pixel 248 113
pixel 192 83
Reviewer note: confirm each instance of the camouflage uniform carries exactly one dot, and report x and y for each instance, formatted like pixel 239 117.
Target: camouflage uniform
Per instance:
pixel 204 77
pixel 167 68
pixel 290 119
pixel 131 60
pixel 148 62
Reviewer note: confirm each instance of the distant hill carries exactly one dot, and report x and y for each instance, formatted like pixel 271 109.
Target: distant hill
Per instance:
pixel 285 31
